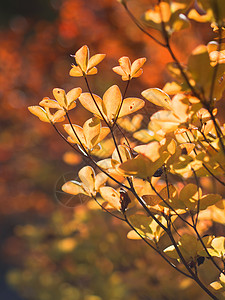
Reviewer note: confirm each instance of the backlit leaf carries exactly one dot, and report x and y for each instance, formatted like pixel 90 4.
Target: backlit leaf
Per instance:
pixel 157 97
pixel 91 130
pixel 87 176
pixel 39 112
pixel 73 188
pixel 111 196
pixel 130 105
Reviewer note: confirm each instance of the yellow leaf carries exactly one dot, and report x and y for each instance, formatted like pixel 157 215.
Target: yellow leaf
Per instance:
pixel 82 57
pixel 84 65
pixel 46 102
pixel 111 102
pixel 147 226
pixel 136 66
pixel 124 154
pixel 104 131
pixel 76 71
pixel 72 137
pixel 87 102
pixel 189 195
pixel 159 13
pixel 111 196
pixel 39 112
pixel 166 120
pixel 125 64
pixel 130 105
pixel 71 96
pixel 91 130
pixel 100 179
pixel 151 150
pixel 141 166
pixel 172 88
pixel 194 15
pixel 142 224
pixel 128 71
pixel 73 188
pixel 157 97
pixel 131 125
pixel 95 60
pixel 208 200
pixel 132 235
pixel 87 176
pixel 216 285
pixel 60 96
pixel 218 244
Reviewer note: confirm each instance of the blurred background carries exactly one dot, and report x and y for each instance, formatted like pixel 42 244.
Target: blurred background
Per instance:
pixel 50 251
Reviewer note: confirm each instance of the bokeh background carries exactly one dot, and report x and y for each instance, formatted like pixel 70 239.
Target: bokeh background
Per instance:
pixel 49 251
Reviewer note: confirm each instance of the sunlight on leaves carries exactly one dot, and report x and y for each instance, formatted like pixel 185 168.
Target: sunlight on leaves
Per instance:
pixel 128 70
pixel 109 106
pixel 84 64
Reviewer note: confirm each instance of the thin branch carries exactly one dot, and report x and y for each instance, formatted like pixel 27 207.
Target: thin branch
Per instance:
pixel 206 250
pixel 216 67
pixel 207 169
pixel 168 205
pixel 194 276
pixel 91 159
pixel 157 250
pixel 136 22
pixel 214 176
pixel 121 103
pixel 80 143
pixel 198 204
pixel 106 210
pixel 93 98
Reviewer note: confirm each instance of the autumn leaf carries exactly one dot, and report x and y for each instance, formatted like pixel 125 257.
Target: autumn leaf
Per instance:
pixel 84 64
pixel 189 246
pixel 46 116
pixel 89 185
pixel 89 136
pixel 108 108
pixel 171 14
pixel 147 226
pixel 128 70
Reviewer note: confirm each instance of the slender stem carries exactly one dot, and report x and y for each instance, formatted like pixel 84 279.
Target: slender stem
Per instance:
pixel 205 139
pixel 214 176
pixel 115 143
pixel 218 129
pixel 194 276
pixel 206 250
pixel 136 22
pixel 121 103
pixel 120 130
pixel 169 206
pixel 198 204
pixel 168 46
pixel 65 139
pixel 80 143
pixel 207 169
pixel 93 98
pixel 143 204
pixel 215 68
pixel 91 159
